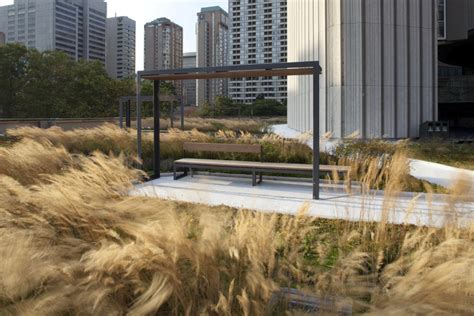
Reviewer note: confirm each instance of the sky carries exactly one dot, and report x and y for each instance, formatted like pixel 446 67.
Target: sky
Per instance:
pixel 182 12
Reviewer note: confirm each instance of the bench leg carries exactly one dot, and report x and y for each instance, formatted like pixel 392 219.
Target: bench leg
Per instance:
pixel 261 178
pixel 254 178
pixel 349 184
pixel 176 176
pixel 191 173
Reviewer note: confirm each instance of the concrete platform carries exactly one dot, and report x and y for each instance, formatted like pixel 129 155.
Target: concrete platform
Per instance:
pixel 288 197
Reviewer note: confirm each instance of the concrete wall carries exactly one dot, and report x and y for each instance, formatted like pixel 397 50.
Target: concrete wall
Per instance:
pixel 378 58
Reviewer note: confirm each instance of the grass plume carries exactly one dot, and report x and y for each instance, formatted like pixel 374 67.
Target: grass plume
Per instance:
pixel 73 242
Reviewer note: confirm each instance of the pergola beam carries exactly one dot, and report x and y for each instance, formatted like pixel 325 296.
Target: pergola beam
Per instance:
pixel 306 64
pixel 232 74
pixel 156 134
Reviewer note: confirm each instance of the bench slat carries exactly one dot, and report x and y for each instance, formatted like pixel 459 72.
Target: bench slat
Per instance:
pixel 229 148
pixel 258 165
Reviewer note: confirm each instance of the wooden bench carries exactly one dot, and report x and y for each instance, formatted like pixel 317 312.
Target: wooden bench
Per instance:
pixel 255 167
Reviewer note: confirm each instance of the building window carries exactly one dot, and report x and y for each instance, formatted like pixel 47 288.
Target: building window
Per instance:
pixel 441 19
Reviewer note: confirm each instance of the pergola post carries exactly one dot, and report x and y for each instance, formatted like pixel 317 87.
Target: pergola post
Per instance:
pixel 128 114
pixel 182 112
pixel 172 115
pixel 316 149
pixel 156 129
pixel 139 117
pixel 120 113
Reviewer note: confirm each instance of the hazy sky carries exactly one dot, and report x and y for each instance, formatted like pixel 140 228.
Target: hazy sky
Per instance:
pixel 182 12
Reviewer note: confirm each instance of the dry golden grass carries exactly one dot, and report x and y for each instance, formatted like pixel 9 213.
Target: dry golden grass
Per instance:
pixel 251 125
pixel 111 139
pixel 370 161
pixel 74 242
pixel 106 138
pixel 27 160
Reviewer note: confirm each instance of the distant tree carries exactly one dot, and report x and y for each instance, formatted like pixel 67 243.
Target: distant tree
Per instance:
pixel 205 110
pixel 13 67
pixel 224 106
pixel 51 84
pixel 264 108
pixel 260 96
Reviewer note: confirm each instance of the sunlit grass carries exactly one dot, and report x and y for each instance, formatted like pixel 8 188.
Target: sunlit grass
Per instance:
pixel 73 242
pixel 252 125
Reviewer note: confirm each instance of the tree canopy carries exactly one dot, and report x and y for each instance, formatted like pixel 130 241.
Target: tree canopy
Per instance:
pixel 51 84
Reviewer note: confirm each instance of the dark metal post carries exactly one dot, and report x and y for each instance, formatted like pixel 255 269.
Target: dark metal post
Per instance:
pixel 316 149
pixel 128 114
pixel 120 113
pixel 156 129
pixel 172 114
pixel 139 117
pixel 182 113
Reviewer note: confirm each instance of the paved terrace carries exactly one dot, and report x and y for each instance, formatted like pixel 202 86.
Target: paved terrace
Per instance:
pixel 288 197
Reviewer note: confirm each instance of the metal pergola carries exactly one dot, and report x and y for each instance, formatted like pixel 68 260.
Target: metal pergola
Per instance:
pixel 240 71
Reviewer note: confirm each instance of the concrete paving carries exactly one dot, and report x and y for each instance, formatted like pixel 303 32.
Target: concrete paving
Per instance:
pixel 288 197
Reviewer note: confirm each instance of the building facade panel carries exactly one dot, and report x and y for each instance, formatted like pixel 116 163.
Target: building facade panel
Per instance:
pixel 372 118
pixel 377 70
pixel 414 69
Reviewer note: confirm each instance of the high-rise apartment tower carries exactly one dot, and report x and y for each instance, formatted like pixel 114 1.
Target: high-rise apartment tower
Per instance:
pixel 212 51
pixel 76 27
pixel 163 45
pixel 258 35
pixel 120 48
pixel 189 86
